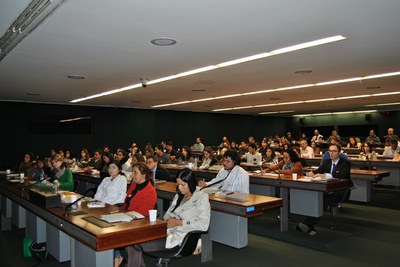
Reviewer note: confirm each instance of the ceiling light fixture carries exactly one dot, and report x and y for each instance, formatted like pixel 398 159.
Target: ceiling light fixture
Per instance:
pixel 76 77
pixel 34 14
pixel 305 101
pixel 303 71
pixel 335 113
pixel 223 64
pixel 163 41
pixel 383 104
pixel 295 87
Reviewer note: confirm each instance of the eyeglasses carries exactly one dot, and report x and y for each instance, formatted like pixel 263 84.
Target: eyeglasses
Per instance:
pixel 333 151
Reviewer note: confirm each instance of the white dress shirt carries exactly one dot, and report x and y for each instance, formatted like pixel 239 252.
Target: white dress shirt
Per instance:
pixel 307 153
pixel 112 191
pixel 237 180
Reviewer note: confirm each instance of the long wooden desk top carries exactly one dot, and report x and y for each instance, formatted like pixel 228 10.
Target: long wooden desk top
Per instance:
pixel 100 239
pixel 254 206
pixel 272 180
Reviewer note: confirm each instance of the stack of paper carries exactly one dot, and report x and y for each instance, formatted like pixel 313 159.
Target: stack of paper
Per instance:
pixel 121 217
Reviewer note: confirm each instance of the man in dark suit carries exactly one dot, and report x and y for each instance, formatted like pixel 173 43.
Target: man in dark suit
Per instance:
pixel 334 167
pixel 157 172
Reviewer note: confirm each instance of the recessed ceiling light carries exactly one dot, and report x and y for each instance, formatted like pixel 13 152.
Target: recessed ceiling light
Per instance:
pixel 32 94
pixel 198 90
pixel 303 71
pixel 275 98
pixel 76 77
pixel 163 41
pixel 373 87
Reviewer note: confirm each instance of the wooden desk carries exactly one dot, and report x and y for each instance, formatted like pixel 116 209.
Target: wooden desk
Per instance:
pixel 393 167
pixel 91 245
pixel 228 218
pixel 363 180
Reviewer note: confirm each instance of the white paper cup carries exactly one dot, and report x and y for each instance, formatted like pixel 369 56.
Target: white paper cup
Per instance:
pixel 8 171
pixel 294 176
pixel 153 215
pixel 22 175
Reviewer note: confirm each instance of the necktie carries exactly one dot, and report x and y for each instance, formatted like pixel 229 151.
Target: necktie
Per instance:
pixel 152 175
pixel 333 167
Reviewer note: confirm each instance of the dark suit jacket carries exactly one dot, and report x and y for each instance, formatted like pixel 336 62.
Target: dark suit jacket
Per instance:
pixel 342 170
pixel 163 174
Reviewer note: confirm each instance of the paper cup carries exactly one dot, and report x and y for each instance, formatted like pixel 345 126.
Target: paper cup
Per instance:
pixel 294 176
pixel 153 215
pixel 22 175
pixel 8 171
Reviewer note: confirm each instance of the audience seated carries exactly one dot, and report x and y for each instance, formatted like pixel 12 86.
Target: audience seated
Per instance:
pixel 231 177
pixel 83 161
pixel 190 210
pixel 305 150
pixel 96 162
pixel 61 173
pixel 112 189
pixel 366 151
pixel 185 156
pixel 27 164
pixel 391 150
pixel 157 172
pixel 372 138
pixel 391 135
pixel 252 156
pixel 353 143
pixel 336 167
pixel 198 146
pixel 290 164
pixel 162 158
pixel 208 159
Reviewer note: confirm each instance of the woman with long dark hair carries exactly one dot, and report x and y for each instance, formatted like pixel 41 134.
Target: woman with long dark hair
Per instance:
pixel 112 189
pixel 189 211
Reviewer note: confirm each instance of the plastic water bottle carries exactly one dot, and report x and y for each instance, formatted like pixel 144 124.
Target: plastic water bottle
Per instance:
pixel 196 160
pixel 56 185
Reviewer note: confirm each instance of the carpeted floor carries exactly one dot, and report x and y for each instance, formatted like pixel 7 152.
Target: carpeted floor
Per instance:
pixel 365 235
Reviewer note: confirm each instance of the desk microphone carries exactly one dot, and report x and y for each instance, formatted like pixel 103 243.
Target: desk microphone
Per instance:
pixel 25 187
pixel 71 204
pixel 79 198
pixel 274 171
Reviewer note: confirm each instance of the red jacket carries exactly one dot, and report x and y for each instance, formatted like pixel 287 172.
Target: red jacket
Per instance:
pixel 144 200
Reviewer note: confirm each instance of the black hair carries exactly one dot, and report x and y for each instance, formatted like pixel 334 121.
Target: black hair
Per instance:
pixel 253 146
pixel 233 155
pixel 293 155
pixel 187 176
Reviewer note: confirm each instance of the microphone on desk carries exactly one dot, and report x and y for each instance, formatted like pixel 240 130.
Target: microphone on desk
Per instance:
pixel 71 204
pixel 25 187
pixel 274 171
pixel 74 202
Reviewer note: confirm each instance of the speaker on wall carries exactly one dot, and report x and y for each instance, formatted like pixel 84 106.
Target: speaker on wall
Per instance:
pixel 301 120
pixel 368 117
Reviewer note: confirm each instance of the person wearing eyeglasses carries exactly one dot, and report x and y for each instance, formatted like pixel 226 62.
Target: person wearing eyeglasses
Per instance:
pixel 334 167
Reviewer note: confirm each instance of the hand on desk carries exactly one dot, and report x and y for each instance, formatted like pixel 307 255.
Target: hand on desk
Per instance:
pixel 321 175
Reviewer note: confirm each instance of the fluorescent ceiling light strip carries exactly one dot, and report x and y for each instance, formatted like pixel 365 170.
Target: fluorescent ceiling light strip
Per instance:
pixel 336 113
pixel 302 86
pixel 233 62
pixel 276 112
pixel 223 109
pixel 383 94
pixel 383 104
pixel 308 44
pixel 319 100
pixel 351 97
pixel 339 81
pixel 381 75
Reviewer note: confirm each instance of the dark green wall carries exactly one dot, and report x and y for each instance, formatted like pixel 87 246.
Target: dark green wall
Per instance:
pixel 119 127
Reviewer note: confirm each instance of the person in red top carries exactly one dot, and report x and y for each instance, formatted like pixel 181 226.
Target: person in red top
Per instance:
pixel 290 164
pixel 141 195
